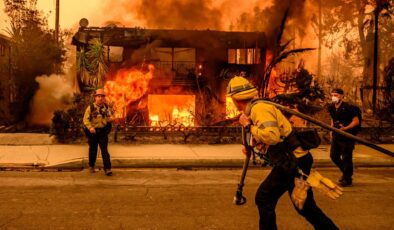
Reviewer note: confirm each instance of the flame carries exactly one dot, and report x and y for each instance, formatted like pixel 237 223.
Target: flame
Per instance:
pixel 231 110
pixel 154 120
pixel 171 110
pixel 129 85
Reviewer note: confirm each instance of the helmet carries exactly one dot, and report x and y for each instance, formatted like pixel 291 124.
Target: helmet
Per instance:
pixel 99 92
pixel 239 88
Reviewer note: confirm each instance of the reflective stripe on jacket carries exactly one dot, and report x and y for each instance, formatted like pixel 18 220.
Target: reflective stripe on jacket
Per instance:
pixel 269 126
pixel 98 121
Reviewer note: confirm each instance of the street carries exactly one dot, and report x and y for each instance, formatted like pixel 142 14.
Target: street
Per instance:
pixel 177 199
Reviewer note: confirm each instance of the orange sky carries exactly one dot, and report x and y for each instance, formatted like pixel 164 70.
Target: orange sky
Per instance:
pixel 71 11
pixel 99 11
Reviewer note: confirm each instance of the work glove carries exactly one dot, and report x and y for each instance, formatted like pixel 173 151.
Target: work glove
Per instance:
pixel 299 194
pixel 324 185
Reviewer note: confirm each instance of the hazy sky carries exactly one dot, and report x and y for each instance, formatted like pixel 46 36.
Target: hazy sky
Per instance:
pixel 99 12
pixel 71 11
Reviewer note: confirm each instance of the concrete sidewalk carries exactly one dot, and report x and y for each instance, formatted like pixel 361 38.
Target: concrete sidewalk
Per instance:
pixel 55 156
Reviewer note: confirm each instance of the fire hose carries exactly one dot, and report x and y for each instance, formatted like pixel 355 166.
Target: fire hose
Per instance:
pixel 239 199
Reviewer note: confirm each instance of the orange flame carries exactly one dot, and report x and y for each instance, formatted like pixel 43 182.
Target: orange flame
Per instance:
pixel 129 85
pixel 231 110
pixel 171 109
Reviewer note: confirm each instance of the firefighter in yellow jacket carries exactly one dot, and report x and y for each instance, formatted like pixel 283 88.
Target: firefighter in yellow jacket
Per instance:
pixel 270 128
pixel 97 122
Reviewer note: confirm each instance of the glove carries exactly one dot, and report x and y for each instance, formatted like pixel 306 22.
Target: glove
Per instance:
pixel 324 185
pixel 299 194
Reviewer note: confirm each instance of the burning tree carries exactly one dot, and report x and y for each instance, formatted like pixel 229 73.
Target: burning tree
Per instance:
pixel 300 79
pixel 305 91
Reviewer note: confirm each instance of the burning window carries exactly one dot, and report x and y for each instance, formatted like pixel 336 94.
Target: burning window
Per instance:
pixel 127 87
pixel 171 110
pixel 244 56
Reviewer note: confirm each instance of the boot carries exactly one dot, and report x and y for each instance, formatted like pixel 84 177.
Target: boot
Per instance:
pixel 108 172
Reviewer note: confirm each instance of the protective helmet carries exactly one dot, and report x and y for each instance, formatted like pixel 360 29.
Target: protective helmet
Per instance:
pixel 99 92
pixel 239 88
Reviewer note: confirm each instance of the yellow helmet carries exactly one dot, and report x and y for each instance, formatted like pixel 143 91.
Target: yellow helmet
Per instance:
pixel 239 88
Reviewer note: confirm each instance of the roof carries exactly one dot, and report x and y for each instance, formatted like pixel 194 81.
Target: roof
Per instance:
pixel 135 37
pixel 4 37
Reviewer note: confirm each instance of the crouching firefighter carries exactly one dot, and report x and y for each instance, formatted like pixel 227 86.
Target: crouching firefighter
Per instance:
pixel 270 128
pixel 97 121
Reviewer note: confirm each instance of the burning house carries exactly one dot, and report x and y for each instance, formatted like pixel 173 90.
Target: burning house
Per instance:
pixel 157 77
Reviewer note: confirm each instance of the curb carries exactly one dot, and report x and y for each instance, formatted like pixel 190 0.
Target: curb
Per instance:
pixel 79 164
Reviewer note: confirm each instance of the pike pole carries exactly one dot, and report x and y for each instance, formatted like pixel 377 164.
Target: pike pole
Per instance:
pixel 239 199
pixel 326 126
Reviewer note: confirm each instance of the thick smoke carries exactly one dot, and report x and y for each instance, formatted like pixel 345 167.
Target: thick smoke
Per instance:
pixel 175 14
pixel 188 14
pixel 268 19
pixel 55 93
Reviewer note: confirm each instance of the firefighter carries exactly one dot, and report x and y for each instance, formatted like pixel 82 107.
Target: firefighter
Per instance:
pixel 97 122
pixel 271 129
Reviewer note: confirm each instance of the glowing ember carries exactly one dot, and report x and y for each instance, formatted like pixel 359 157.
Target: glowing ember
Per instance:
pixel 231 110
pixel 171 109
pixel 128 86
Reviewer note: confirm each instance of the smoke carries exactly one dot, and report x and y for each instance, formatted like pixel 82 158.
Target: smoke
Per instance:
pixel 188 14
pixel 175 14
pixel 165 14
pixel 233 15
pixel 55 93
pixel 268 18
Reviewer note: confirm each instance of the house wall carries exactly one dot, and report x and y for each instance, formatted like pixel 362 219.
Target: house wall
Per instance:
pixel 210 49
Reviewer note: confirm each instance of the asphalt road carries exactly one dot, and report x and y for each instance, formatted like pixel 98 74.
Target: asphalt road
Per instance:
pixel 176 199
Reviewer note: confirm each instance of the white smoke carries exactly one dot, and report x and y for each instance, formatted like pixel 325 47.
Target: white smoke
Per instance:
pixel 55 93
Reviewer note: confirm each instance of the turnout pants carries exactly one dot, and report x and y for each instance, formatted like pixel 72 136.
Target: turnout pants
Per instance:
pixel 100 138
pixel 341 154
pixel 279 181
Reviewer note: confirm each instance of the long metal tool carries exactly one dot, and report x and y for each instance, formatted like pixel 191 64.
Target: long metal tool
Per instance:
pixel 326 126
pixel 239 199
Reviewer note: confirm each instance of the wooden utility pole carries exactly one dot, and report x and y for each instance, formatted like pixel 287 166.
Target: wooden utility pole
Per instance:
pixel 375 59
pixel 57 21
pixel 320 41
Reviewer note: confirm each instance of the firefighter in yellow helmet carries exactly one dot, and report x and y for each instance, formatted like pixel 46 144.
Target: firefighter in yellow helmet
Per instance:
pixel 270 128
pixel 97 121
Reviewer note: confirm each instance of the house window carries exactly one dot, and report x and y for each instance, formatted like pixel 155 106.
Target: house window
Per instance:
pixel 180 60
pixel 114 53
pixel 244 56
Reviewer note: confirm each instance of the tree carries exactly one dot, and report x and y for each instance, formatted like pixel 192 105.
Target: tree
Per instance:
pixel 349 26
pixel 97 65
pixel 91 65
pixel 379 7
pixel 35 51
pixel 280 53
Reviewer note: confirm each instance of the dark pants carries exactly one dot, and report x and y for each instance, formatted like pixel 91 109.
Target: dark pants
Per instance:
pixel 276 184
pixel 100 138
pixel 341 154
